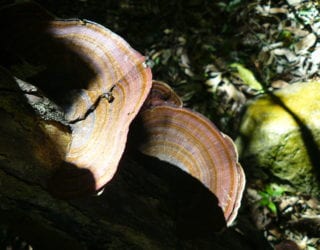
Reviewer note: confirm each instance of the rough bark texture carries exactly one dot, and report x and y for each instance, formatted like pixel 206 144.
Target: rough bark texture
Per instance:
pixel 148 204
pixel 138 210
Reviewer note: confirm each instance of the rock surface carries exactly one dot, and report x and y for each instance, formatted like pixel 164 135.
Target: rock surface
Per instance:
pixel 280 135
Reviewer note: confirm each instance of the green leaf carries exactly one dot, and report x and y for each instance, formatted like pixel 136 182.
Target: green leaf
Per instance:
pixel 247 76
pixel 264 202
pixel 278 191
pixel 264 194
pixel 275 190
pixel 272 207
pixel 270 190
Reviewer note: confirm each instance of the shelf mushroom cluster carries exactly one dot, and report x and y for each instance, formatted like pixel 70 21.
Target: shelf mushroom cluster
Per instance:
pixel 116 88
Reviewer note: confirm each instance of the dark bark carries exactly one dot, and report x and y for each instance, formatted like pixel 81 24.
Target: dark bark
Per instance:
pixel 147 205
pixel 137 210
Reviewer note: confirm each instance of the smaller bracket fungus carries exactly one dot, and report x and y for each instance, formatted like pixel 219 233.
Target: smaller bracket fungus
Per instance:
pixel 191 142
pixel 162 94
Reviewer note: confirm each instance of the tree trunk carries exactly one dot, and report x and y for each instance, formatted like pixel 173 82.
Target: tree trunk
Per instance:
pixel 147 205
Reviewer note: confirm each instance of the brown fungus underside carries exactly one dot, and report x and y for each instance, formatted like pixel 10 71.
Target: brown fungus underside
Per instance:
pixel 100 83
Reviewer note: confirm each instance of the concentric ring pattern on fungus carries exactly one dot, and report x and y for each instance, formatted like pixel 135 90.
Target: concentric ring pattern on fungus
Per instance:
pixel 190 141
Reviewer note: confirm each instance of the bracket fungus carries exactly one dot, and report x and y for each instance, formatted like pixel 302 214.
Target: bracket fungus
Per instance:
pixel 101 84
pixel 101 114
pixel 191 142
pixel 112 85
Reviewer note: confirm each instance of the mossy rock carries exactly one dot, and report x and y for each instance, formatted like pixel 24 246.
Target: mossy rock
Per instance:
pixel 280 137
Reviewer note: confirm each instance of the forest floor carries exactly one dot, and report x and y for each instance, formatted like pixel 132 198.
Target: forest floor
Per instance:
pixel 218 55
